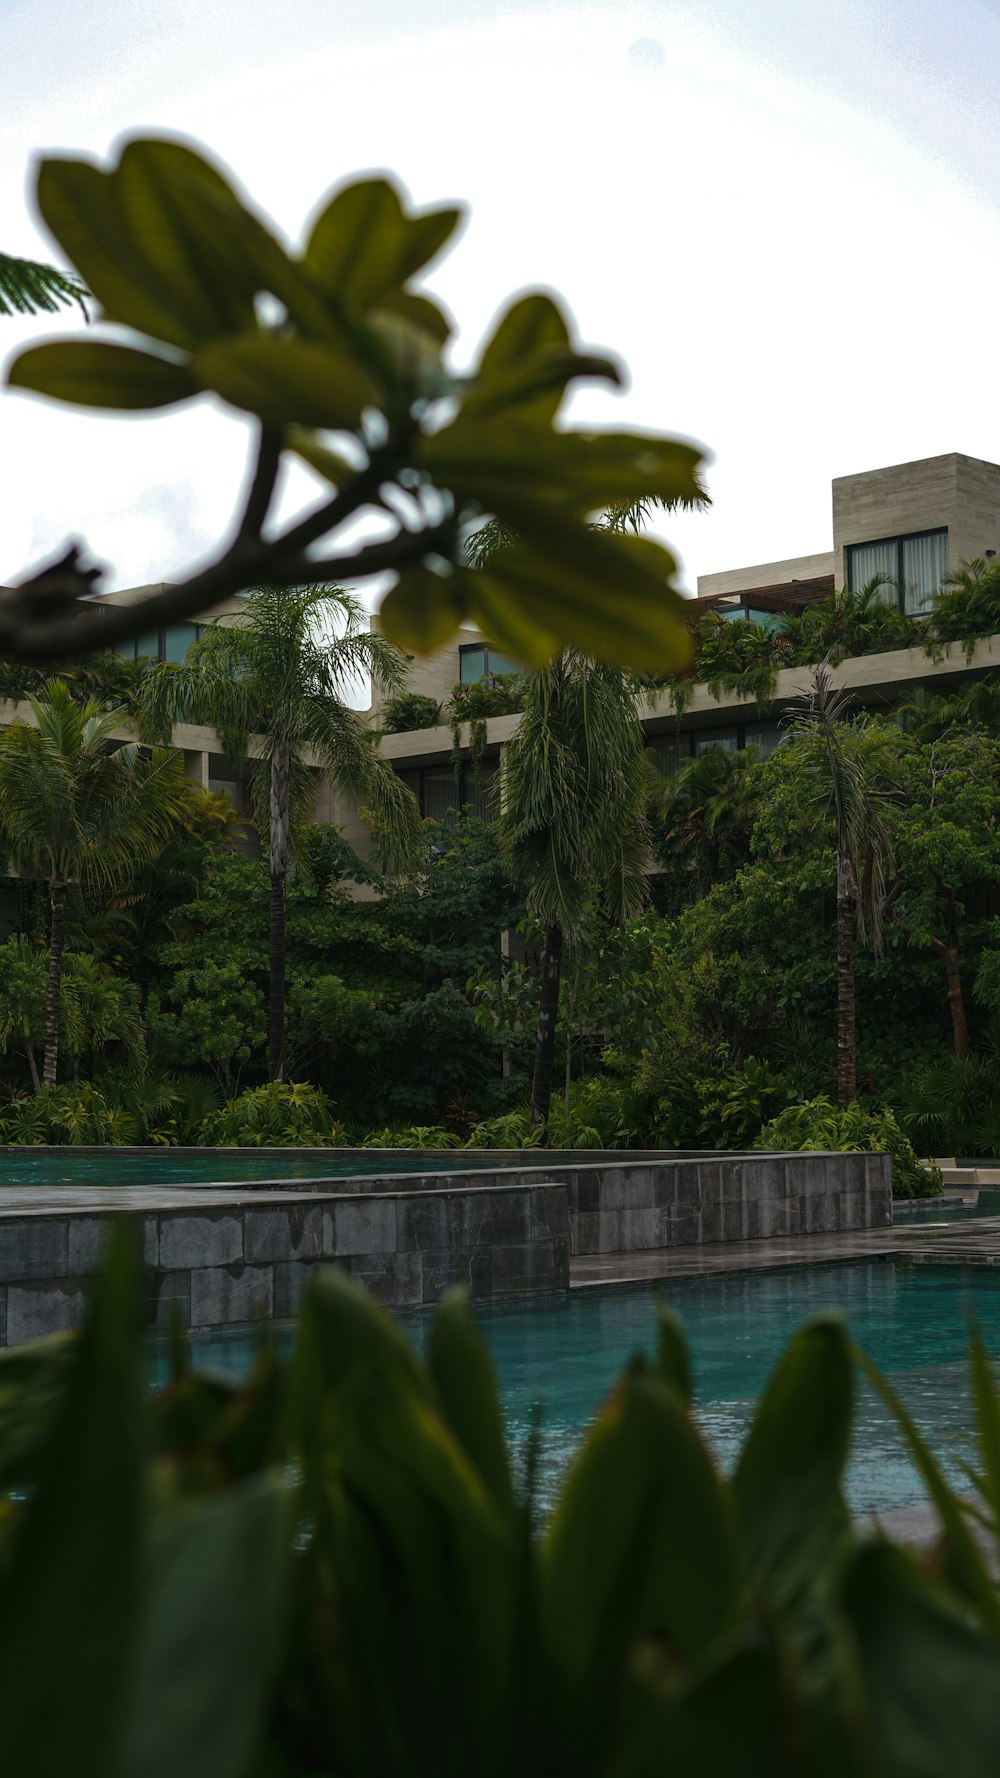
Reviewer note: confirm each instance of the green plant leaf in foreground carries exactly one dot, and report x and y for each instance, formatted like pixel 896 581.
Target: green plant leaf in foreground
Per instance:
pixel 96 373
pixel 641 1546
pixel 209 1636
pixel 932 1681
pixel 69 1587
pixel 968 1568
pixel 788 1479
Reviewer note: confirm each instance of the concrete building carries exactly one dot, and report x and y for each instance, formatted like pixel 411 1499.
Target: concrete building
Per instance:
pixel 913 521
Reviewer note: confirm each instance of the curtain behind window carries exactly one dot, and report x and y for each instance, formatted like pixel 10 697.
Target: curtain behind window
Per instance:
pixel 865 560
pixel 925 563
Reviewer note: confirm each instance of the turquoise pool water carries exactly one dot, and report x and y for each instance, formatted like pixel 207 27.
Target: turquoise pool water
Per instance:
pixel 563 1354
pixel 65 1166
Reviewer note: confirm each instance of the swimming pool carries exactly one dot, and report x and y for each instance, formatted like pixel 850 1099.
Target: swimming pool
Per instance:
pixel 151 1166
pixel 563 1354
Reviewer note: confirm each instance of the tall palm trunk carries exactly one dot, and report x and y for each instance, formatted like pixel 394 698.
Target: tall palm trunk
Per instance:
pixel 846 1040
pixel 57 944
pixel 548 1013
pixel 279 823
pixel 29 1049
pixel 947 950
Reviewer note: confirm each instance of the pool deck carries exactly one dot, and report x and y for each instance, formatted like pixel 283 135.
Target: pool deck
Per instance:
pixel 945 1244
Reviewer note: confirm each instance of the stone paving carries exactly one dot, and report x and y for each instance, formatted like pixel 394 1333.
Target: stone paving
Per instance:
pixel 974 1243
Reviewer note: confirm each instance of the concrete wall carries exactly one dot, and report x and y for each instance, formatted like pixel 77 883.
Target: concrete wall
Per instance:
pixel 761 574
pixel 657 1200
pixel 726 1198
pixel 961 493
pixel 230 1266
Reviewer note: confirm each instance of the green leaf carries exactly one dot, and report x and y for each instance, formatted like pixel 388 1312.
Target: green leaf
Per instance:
pixel 460 1369
pixel 162 189
pixel 608 596
pixel 363 243
pixel 732 1720
pixel 421 311
pixel 94 373
pixel 987 1406
pixel 641 1544
pixel 347 1331
pixel 788 1479
pixel 423 610
pixel 80 205
pixel 284 380
pixel 410 356
pixel 208 1637
pixel 69 1588
pixel 967 1567
pixel 515 459
pixel 33 1381
pixel 932 1681
pixel 417 1548
pixel 534 324
pixel 320 456
pixel 528 362
pixel 673 1361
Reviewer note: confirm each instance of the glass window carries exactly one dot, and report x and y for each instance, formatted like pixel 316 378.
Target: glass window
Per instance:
pixel 411 779
pixel 126 649
pixel 666 753
pixel 471 664
pixel 865 560
pixel 501 663
pixel 925 564
pixel 442 795
pixel 726 738
pixel 765 736
pixel 177 640
pixel 480 792
pixel 148 645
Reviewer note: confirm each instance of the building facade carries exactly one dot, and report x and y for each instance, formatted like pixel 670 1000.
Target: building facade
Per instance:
pixel 914 522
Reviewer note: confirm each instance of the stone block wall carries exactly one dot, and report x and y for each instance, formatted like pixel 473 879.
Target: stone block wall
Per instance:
pixel 725 1197
pixel 225 1266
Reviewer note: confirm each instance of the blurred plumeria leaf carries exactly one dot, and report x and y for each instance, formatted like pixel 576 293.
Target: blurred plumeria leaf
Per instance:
pixel 339 358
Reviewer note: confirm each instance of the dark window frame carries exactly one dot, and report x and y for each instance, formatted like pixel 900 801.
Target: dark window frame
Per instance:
pixel 903 537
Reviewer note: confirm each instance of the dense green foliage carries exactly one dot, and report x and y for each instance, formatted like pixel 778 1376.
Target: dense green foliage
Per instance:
pixel 819 1124
pixel 693 1025
pixel 338 1566
pixel 409 710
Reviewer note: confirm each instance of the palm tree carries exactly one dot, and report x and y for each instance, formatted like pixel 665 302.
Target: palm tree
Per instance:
pixel 572 785
pixel 77 808
pixel 28 288
pixel 851 765
pixel 282 675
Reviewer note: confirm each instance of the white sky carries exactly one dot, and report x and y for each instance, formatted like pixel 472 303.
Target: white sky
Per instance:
pixel 781 214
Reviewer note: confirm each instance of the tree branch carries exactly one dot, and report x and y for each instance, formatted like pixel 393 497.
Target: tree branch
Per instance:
pixel 51 617
pixel 261 491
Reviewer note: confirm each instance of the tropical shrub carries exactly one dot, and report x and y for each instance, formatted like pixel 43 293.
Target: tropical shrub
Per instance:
pixel 328 1568
pixel 417 1136
pixel 968 605
pixel 952 1106
pixel 818 1124
pixel 500 694
pixel 68 1114
pixel 282 1114
pixel 407 711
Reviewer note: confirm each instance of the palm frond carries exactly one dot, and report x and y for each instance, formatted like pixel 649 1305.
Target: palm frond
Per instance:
pixel 29 288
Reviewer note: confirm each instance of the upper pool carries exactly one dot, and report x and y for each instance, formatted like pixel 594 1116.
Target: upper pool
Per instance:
pixel 162 1166
pixel 563 1354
